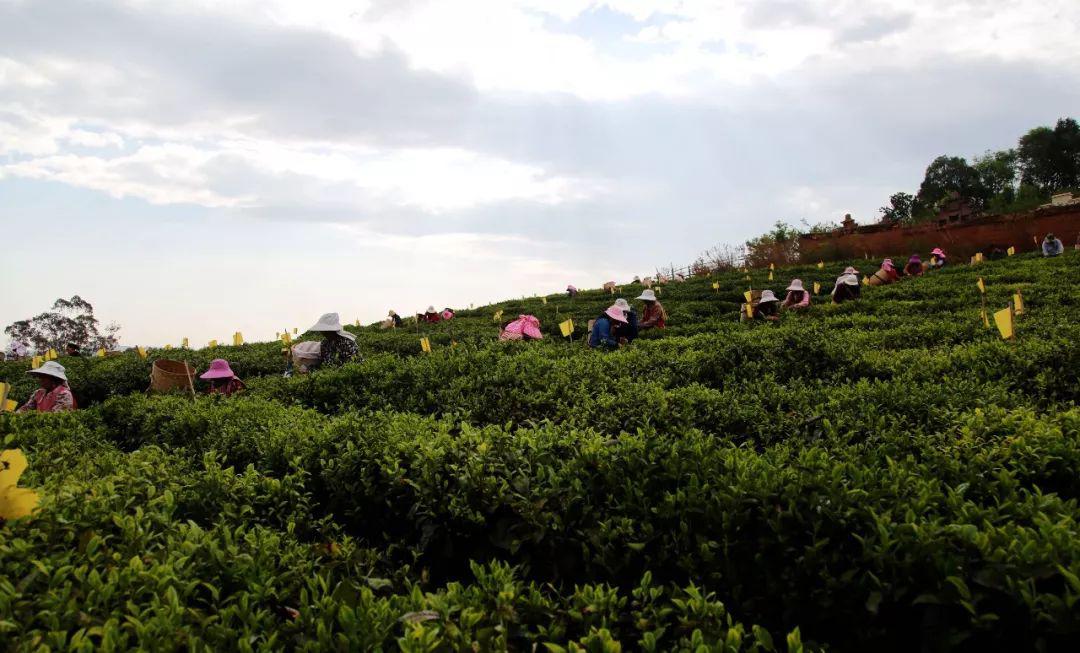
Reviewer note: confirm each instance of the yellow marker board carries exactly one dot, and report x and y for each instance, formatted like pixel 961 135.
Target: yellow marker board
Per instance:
pixel 1004 321
pixel 543 300
pixel 749 296
pixel 771 266
pixel 821 265
pixel 168 347
pixel 1018 303
pixel 981 285
pixel 36 362
pixel 10 405
pixel 101 352
pixel 497 316
pixel 5 388
pixel 1011 251
pixel 237 339
pixel 866 281
pixel 566 328
pixel 716 285
pixel 15 501
pixel 212 343
pixel 141 352
pixel 749 311
pixel 425 345
pixel 184 342
pixel 979 257
pixel 817 288
pixel 52 355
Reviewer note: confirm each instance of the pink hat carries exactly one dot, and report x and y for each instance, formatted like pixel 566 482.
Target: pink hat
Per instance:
pixel 937 252
pixel 615 313
pixel 219 369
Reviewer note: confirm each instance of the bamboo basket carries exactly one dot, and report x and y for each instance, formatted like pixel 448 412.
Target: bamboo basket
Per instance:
pixel 169 375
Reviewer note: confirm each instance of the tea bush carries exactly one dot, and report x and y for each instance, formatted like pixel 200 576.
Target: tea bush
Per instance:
pixel 885 474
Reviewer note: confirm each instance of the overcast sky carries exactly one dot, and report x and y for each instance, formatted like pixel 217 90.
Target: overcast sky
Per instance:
pixel 197 167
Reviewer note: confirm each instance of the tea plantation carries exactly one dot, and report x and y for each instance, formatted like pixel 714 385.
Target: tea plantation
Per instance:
pixel 884 475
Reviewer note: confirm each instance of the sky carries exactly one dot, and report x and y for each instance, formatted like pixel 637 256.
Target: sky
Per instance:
pixel 200 167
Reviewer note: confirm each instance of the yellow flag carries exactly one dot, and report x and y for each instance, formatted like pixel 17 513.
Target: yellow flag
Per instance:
pixel 749 310
pixel 978 257
pixel 497 316
pixel 1011 251
pixel 817 288
pixel 981 285
pixel 184 342
pixel 821 265
pixel 141 352
pixel 749 296
pixel 425 345
pixel 212 343
pixel 566 328
pixel 237 339
pixel 1018 303
pixel 36 362
pixel 15 501
pixel 1004 321
pixel 716 285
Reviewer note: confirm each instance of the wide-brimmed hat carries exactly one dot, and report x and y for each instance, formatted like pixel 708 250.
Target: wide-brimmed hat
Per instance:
pixel 219 369
pixel 391 313
pixel 51 368
pixel 915 258
pixel 623 304
pixel 937 252
pixel 647 295
pixel 796 284
pixel 615 313
pixel 849 279
pixel 767 296
pixel 332 322
pixel 850 270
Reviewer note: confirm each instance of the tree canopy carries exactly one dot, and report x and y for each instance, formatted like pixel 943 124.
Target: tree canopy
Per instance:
pixel 69 321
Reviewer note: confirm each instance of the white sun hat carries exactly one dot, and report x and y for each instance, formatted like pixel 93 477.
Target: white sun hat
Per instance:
pixel 332 322
pixel 430 309
pixel 647 295
pixel 623 304
pixel 51 368
pixel 767 296
pixel 796 284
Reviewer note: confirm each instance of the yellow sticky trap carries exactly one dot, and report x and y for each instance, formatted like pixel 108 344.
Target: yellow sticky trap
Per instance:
pixel 933 261
pixel 749 296
pixel 979 257
pixel 981 285
pixel 286 338
pixel 866 281
pixel 52 355
pixel 5 388
pixel 770 276
pixel 15 502
pixel 749 310
pixel 543 300
pixel 1018 303
pixel 184 343
pixel 1011 251
pixel 425 345
pixel 101 352
pixel 212 343
pixel 167 347
pixel 716 285
pixel 821 265
pixel 237 339
pixel 277 336
pixel 497 316
pixel 817 288
pixel 772 266
pixel 566 328
pixel 141 352
pixel 36 362
pixel 10 405
pixel 1004 321
pixel 357 322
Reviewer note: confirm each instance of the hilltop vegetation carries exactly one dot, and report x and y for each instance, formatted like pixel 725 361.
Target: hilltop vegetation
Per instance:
pixel 887 474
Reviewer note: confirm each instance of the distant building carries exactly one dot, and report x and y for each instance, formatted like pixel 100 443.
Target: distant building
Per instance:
pixel 955 209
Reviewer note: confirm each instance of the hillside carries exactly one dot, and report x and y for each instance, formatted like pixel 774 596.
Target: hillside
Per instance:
pixel 885 474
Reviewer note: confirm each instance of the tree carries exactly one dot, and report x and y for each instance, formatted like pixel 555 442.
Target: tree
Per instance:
pixel 1049 159
pixel 781 245
pixel 949 174
pixel 998 174
pixel 899 208
pixel 70 320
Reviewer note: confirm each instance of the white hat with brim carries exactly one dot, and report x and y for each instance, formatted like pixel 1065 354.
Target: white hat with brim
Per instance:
pixel 647 295
pixel 331 322
pixel 623 304
pixel 430 309
pixel 767 296
pixel 849 279
pixel 796 284
pixel 53 369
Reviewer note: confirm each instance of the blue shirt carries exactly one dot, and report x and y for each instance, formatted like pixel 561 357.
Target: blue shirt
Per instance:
pixel 1052 247
pixel 601 333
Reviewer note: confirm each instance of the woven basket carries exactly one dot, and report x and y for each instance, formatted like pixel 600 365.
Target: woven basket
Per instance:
pixel 880 278
pixel 168 375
